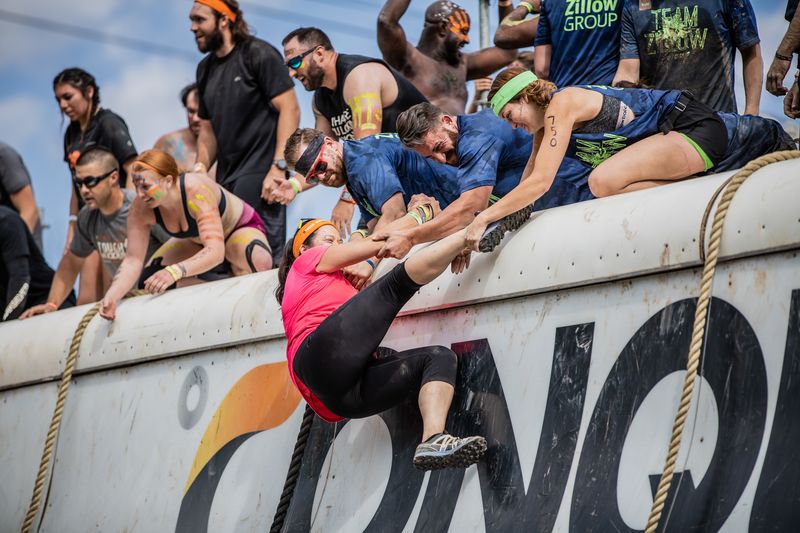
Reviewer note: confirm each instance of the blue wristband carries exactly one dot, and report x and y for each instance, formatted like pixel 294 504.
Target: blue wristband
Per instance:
pixel 370 263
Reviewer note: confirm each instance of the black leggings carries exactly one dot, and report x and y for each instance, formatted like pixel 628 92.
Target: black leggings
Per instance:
pixel 339 361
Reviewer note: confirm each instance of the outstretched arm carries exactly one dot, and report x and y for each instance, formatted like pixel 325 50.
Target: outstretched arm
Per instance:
pixel 355 251
pixel 391 36
pixel 514 31
pixel 560 117
pixel 139 219
pixel 484 62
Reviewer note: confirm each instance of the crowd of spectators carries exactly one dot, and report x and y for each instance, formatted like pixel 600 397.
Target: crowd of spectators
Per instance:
pixel 392 133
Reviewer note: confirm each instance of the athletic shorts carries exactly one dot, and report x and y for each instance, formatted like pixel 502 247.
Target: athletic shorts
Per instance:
pixel 704 129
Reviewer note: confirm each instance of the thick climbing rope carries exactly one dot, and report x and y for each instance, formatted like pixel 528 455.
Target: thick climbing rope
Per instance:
pixel 698 331
pixel 55 422
pixel 294 471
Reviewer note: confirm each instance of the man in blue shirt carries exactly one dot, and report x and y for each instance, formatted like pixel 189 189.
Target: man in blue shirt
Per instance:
pixel 577 41
pixel 691 45
pixel 381 175
pixel 491 158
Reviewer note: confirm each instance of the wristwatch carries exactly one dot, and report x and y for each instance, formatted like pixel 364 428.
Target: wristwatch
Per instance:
pixel 346 197
pixel 281 164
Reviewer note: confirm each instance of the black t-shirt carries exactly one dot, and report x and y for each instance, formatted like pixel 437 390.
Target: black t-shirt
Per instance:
pixel 14 177
pixel 235 94
pixel 106 129
pixel 332 105
pixel 25 277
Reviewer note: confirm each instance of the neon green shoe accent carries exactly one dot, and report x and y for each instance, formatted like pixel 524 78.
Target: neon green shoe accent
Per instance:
pixel 706 159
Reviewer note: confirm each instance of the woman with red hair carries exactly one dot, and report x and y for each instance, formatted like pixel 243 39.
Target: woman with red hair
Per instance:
pixel 207 223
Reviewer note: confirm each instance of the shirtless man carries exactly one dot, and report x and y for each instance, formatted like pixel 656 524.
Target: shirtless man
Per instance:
pixel 182 144
pixel 436 66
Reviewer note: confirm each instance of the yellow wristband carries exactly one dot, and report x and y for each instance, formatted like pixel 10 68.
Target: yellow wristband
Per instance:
pixel 295 183
pixel 174 272
pixel 527 6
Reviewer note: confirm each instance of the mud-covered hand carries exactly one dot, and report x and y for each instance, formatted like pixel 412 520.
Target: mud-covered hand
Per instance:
pixel 776 74
pixel 474 233
pixel 159 282
pixel 398 244
pixel 791 102
pixel 342 216
pixel 461 262
pixel 358 275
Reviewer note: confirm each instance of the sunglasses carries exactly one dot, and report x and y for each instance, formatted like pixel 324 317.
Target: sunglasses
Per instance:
pixel 317 169
pixel 92 181
pixel 296 62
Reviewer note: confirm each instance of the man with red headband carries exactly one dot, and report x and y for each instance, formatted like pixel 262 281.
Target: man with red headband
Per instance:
pixel 436 66
pixel 248 109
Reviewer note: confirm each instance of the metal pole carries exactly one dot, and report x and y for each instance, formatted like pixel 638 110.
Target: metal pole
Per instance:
pixel 483 21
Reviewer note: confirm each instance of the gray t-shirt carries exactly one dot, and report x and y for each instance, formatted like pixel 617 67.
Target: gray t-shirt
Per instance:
pixel 109 234
pixel 13 178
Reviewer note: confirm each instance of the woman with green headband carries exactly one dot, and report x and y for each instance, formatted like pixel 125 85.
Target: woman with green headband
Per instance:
pixel 619 140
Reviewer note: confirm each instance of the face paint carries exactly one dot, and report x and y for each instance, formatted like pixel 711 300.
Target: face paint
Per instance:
pixel 459 25
pixel 155 192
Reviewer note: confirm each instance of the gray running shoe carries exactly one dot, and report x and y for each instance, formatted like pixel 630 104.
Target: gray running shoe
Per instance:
pixel 496 231
pixel 446 451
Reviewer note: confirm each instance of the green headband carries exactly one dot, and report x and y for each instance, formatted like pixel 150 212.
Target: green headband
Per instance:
pixel 511 89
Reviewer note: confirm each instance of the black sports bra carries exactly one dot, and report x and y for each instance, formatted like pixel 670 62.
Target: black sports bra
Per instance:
pixel 192 231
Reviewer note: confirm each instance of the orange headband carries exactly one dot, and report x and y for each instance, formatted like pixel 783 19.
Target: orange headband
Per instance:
pixel 147 166
pixel 304 232
pixel 220 7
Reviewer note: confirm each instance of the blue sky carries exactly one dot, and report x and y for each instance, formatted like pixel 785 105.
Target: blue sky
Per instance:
pixel 142 86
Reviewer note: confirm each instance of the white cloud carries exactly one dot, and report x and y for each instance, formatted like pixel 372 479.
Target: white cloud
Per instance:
pixel 145 94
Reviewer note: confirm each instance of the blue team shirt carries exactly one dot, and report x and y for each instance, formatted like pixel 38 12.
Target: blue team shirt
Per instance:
pixel 378 167
pixel 689 45
pixel 491 152
pixel 585 39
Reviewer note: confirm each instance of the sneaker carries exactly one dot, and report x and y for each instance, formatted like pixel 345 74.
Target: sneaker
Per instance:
pixel 445 451
pixel 495 231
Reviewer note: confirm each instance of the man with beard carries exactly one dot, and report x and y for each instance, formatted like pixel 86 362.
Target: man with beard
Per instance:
pixel 248 109
pixel 182 144
pixel 354 96
pixel 491 157
pixel 436 66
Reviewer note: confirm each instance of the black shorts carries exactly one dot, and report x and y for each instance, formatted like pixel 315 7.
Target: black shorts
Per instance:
pixel 701 126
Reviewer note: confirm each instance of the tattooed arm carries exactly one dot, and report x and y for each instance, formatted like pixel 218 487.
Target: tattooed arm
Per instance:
pixel 364 91
pixel 140 217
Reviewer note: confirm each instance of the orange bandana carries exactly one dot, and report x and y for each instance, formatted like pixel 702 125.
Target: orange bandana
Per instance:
pixel 305 231
pixel 220 7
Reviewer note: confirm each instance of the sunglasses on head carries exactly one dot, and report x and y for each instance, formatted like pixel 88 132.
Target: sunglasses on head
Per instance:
pixel 317 169
pixel 92 181
pixel 295 62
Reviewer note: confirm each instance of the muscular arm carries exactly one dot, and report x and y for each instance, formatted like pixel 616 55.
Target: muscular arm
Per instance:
pixel 514 31
pixel 206 144
pixel 789 44
pixel 25 204
pixel 454 217
pixel 627 70
pixel 541 58
pixel 753 66
pixel 288 118
pixel 391 36
pixel 66 274
pixel 363 90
